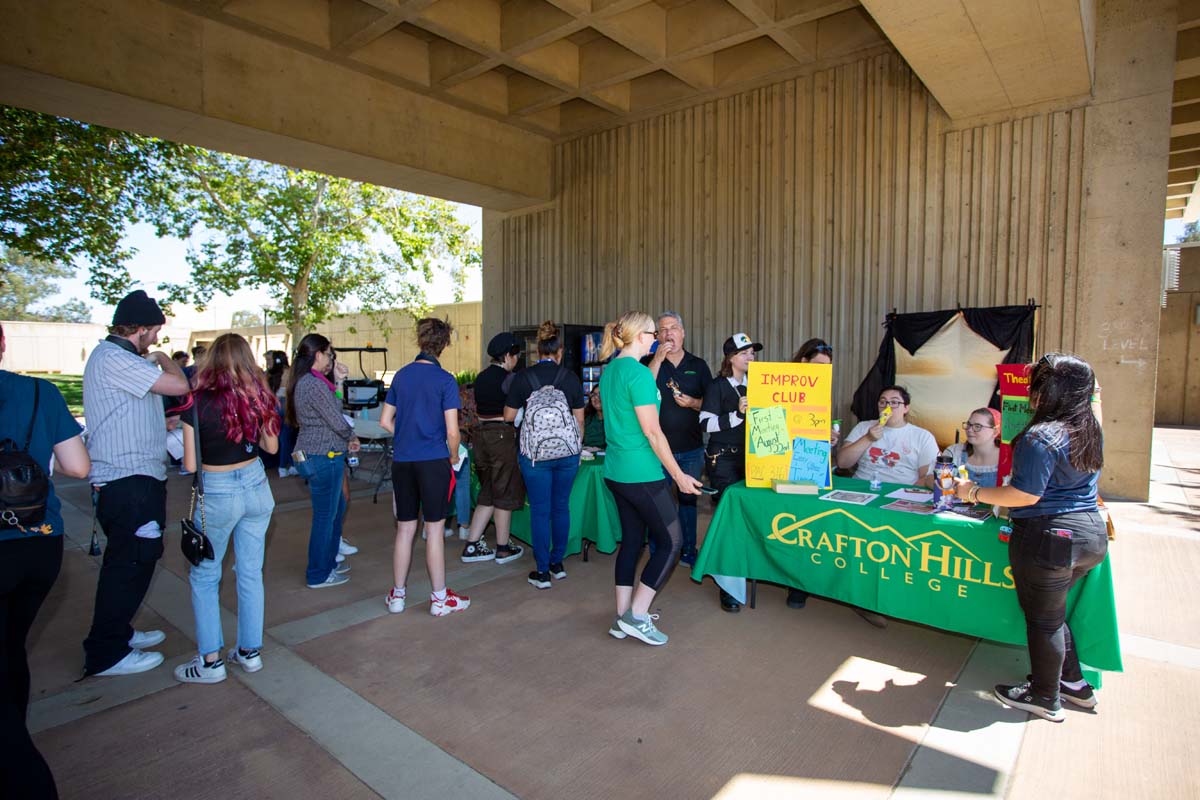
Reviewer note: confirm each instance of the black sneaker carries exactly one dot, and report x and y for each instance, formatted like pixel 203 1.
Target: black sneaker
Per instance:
pixel 477 551
pixel 558 571
pixel 797 598
pixel 1083 697
pixel 508 552
pixel 541 580
pixel 1021 696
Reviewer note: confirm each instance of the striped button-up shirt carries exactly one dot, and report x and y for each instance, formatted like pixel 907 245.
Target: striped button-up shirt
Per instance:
pixel 126 427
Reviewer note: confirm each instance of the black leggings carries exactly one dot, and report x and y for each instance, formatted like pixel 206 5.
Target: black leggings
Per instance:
pixel 642 507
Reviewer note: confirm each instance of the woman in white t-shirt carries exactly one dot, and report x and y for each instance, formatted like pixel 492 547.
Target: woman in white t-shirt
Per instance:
pixel 981 452
pixel 893 453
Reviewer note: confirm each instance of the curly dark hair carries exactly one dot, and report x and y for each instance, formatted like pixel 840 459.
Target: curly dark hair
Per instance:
pixel 1060 390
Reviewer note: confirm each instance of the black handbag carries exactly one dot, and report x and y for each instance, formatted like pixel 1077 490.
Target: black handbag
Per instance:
pixel 194 543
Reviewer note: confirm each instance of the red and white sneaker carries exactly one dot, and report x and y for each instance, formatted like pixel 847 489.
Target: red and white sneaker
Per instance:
pixel 453 602
pixel 395 602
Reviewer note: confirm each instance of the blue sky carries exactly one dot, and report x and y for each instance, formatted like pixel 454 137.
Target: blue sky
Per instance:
pixel 162 260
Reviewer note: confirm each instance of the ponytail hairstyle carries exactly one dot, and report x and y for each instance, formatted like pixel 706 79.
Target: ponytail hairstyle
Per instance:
pixel 548 340
pixel 621 332
pixel 302 364
pixel 277 366
pixel 433 335
pixel 1060 391
pixel 229 372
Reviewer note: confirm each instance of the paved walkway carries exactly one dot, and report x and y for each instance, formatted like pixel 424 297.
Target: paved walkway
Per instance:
pixel 524 695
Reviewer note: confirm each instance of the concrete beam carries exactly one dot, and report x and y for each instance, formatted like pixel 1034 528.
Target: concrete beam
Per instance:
pixel 980 57
pixel 154 68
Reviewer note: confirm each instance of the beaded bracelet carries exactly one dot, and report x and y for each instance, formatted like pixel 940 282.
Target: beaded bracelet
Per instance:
pixel 973 495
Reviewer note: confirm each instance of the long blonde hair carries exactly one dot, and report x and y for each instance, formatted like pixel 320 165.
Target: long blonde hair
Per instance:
pixel 622 332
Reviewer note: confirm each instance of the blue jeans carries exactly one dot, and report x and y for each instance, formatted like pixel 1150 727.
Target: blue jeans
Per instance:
pixel 462 491
pixel 324 476
pixel 691 462
pixel 238 506
pixel 548 484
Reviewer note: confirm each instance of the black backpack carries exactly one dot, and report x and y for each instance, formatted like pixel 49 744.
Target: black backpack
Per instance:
pixel 24 486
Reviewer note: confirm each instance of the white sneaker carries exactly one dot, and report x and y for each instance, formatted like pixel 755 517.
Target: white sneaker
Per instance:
pixel 134 662
pixel 251 662
pixel 292 472
pixel 196 671
pixel 333 580
pixel 345 548
pixel 463 533
pixel 339 558
pixel 343 568
pixel 283 472
pixel 143 639
pixel 395 602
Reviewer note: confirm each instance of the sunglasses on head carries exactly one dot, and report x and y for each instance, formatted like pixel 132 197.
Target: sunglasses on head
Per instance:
pixel 823 348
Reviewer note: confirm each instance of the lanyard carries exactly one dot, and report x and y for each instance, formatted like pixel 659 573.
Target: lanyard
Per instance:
pixel 122 343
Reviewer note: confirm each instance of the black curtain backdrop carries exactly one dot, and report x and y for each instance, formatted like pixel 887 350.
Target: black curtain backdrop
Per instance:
pixel 1005 327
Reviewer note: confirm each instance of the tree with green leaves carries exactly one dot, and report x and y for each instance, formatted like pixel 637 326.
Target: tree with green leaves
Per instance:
pixel 246 319
pixel 26 281
pixel 1191 233
pixel 314 242
pixel 69 191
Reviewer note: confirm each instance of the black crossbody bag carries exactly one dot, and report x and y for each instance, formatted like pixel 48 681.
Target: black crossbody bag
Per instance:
pixel 195 544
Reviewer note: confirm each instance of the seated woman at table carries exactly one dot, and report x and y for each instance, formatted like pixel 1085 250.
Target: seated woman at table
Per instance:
pixel 722 415
pixel 593 422
pixel 637 454
pixel 981 452
pixel 1058 534
pixel 893 450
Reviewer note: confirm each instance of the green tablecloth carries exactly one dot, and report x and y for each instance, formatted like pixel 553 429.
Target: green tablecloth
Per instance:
pixel 593 511
pixel 943 570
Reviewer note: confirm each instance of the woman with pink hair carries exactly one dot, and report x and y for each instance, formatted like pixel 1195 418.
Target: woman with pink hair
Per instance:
pixel 236 418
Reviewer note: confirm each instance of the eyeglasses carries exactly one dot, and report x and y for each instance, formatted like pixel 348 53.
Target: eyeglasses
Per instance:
pixel 975 427
pixel 652 333
pixel 892 403
pixel 823 348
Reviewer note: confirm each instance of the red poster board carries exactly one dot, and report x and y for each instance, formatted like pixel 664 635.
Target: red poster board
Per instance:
pixel 1014 410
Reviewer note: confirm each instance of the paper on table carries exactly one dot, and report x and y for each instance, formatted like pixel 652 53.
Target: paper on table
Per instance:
pixel 853 498
pixel 769 431
pixel 913 495
pixel 908 506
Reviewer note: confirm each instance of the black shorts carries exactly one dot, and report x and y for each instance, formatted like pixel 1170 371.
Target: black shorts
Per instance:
pixel 423 488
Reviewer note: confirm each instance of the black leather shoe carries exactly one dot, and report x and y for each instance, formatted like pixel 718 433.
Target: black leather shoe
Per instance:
pixel 878 620
pixel 797 598
pixel 728 603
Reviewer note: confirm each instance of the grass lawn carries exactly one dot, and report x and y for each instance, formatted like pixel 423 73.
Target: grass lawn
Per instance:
pixel 71 387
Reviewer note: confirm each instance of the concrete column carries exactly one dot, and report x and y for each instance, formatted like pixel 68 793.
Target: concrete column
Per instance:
pixel 493 279
pixel 1126 145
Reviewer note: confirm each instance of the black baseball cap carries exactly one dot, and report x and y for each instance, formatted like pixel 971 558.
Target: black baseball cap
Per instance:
pixel 739 342
pixel 503 344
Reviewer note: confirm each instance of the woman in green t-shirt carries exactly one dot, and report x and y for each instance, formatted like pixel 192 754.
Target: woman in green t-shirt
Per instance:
pixel 636 456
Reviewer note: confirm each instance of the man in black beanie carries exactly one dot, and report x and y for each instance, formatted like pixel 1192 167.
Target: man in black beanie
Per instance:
pixel 123 387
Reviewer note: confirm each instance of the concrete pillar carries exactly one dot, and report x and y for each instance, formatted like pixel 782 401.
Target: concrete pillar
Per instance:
pixel 1126 142
pixel 493 278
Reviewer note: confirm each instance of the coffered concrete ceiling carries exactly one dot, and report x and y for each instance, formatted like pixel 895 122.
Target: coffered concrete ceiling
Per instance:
pixel 562 67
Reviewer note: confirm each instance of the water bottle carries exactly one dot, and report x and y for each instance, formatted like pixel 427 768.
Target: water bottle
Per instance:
pixel 943 482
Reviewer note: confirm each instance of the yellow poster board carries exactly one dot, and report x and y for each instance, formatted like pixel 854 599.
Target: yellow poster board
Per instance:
pixel 787 423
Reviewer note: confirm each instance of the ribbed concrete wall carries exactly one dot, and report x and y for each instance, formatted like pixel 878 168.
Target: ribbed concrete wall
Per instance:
pixel 810 207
